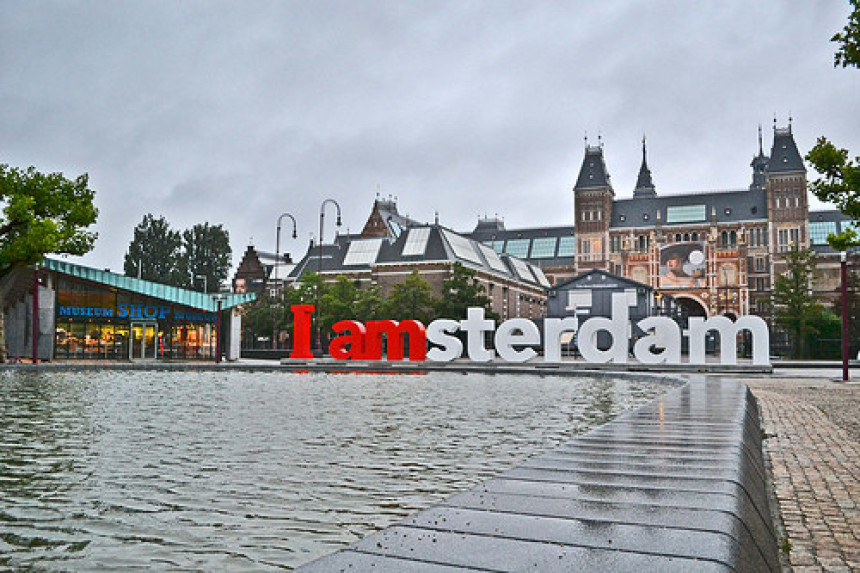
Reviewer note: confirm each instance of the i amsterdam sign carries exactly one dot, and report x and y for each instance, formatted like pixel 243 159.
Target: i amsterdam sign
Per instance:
pixel 515 340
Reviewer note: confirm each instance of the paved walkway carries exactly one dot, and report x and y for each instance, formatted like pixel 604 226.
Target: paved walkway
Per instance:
pixel 813 426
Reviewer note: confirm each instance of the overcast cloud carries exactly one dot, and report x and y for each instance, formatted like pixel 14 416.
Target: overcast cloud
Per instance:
pixel 234 112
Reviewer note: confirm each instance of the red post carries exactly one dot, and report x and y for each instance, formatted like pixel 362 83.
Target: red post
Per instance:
pixel 844 269
pixel 36 316
pixel 218 333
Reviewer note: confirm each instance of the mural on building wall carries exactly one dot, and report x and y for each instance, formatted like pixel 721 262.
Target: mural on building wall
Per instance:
pixel 682 265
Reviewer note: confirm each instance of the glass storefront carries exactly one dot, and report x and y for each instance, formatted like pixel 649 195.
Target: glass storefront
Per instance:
pixel 94 322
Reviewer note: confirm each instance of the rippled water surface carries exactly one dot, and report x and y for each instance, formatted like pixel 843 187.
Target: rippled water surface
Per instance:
pixel 251 471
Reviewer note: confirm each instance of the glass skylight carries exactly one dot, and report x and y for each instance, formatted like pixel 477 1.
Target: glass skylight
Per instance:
pixel 522 270
pixel 819 230
pixel 362 252
pixel 463 248
pixel 518 248
pixel 567 247
pixel 686 214
pixel 538 272
pixel 543 248
pixel 493 259
pixel 416 241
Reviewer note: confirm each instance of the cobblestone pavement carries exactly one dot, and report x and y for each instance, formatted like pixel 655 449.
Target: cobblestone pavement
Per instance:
pixel 814 451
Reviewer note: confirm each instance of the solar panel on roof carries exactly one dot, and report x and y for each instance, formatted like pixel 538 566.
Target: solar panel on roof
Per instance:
pixel 522 270
pixel 362 252
pixel 538 272
pixel 416 241
pixel 462 248
pixel 493 259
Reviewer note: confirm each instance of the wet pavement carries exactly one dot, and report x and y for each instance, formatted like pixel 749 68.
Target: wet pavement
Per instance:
pixel 812 428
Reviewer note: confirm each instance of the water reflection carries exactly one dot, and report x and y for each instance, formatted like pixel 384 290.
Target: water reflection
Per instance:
pixel 242 471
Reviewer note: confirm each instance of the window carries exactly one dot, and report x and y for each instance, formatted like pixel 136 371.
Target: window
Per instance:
pixel 786 238
pixel 819 230
pixel 567 247
pixel 543 248
pixel 416 241
pixel 518 248
pixel 759 265
pixel 362 252
pixel 686 214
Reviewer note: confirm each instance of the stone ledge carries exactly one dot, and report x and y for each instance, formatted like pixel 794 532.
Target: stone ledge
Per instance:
pixel 677 485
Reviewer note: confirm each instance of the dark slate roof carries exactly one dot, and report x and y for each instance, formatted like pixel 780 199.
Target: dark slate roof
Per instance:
pixel 595 276
pixel 730 206
pixel 593 172
pixel 396 222
pixel 784 156
pixel 487 235
pixel 442 245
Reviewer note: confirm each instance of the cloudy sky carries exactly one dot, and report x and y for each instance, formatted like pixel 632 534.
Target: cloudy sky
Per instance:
pixel 235 112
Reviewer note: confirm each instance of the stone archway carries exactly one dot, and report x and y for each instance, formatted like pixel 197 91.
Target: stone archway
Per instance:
pixel 691 306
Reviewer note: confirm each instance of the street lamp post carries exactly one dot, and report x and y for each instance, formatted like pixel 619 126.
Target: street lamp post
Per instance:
pixel 218 329
pixel 277 263
pixel 319 269
pixel 844 273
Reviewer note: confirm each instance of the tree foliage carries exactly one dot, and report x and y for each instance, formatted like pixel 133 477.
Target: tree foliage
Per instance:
pixel 795 307
pixel 840 181
pixel 839 184
pixel 460 292
pixel 207 252
pixel 155 253
pixel 162 254
pixel 411 300
pixel 848 39
pixel 43 214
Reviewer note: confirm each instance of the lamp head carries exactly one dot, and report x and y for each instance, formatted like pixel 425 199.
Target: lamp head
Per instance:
pixel 338 220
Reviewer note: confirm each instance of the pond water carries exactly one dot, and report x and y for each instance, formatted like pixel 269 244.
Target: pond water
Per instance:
pixel 236 471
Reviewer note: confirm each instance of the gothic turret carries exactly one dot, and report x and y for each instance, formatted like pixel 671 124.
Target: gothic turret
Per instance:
pixel 784 156
pixel 644 184
pixel 759 165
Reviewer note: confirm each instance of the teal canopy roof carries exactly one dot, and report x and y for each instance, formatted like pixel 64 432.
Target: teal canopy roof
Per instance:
pixel 189 298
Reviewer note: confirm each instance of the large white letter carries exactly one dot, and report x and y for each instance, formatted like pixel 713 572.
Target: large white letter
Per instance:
pixel 666 334
pixel 728 331
pixel 437 333
pixel 506 338
pixel 617 327
pixel 475 326
pixel 552 329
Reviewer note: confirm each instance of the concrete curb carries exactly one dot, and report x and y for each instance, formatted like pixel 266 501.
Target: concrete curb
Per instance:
pixel 678 485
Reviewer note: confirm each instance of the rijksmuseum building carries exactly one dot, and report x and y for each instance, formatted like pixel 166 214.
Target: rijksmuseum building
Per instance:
pixel 710 253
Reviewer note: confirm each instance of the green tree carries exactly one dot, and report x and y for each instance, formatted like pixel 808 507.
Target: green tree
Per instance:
pixel 207 252
pixel 795 307
pixel 460 292
pixel 840 181
pixel 42 214
pixel 343 300
pixel 411 300
pixel 848 39
pixel 155 253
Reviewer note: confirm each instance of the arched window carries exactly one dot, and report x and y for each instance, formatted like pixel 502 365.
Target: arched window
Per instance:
pixel 686 236
pixel 724 239
pixel 695 236
pixel 733 237
pixel 641 242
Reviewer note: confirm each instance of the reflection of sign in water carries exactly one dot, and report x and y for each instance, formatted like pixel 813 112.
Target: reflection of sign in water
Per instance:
pixel 682 265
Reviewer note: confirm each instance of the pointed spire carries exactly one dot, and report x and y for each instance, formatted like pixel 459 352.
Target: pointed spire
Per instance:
pixel 644 184
pixel 759 164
